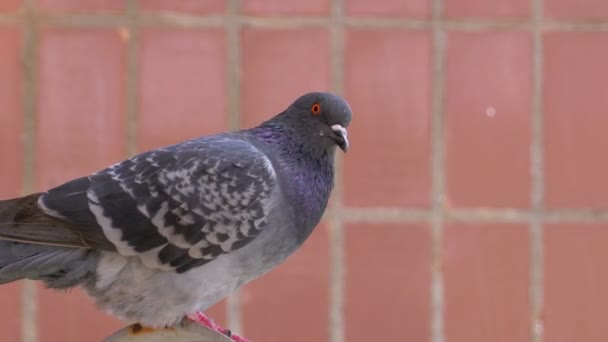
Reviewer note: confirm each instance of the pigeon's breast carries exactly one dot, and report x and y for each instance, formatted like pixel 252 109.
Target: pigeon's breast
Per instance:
pixel 128 289
pixel 307 189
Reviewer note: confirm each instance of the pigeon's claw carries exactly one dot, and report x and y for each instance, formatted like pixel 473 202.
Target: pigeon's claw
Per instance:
pixel 200 318
pixel 237 338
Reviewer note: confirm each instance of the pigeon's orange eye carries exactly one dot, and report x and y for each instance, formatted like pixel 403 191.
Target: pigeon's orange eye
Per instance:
pixel 315 109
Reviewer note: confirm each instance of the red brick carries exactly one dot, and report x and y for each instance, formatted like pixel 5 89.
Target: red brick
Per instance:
pixel 187 6
pixel 10 315
pixel 278 7
pixel 575 119
pixel 81 107
pixel 388 84
pixel 82 6
pixel 11 115
pixel 182 86
pixel 294 293
pixel 9 5
pixel 72 316
pixel 488 118
pixel 412 8
pixel 486 274
pixel 487 9
pixel 278 67
pixel 11 150
pixel 388 281
pixel 574 9
pixel 576 278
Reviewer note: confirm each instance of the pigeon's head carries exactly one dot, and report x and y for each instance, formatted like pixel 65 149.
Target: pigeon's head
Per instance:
pixel 321 119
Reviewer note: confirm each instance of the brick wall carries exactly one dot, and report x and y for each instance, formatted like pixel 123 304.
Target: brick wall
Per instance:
pixel 472 206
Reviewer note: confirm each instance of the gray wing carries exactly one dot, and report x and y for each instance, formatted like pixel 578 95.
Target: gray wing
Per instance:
pixel 177 207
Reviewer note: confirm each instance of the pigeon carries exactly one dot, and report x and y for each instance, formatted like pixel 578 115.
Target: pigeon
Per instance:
pixel 161 236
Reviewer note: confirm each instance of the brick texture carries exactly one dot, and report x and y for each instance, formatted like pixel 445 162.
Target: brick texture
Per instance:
pixel 176 92
pixel 81 107
pixel 9 5
pixel 392 279
pixel 269 80
pixel 485 9
pixel 11 116
pixel 410 8
pixel 10 315
pixel 574 119
pixel 94 6
pixel 578 10
pixel 488 104
pixel 283 7
pixel 387 74
pixel 184 6
pixel 486 282
pixel 575 279
pixel 11 159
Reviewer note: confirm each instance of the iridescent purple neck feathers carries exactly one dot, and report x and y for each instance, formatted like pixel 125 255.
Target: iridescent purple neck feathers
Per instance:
pixel 306 173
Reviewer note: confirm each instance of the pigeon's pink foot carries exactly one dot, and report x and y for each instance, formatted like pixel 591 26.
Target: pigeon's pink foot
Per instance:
pixel 200 318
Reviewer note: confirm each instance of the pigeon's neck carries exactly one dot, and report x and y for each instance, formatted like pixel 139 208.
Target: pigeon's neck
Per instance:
pixel 308 173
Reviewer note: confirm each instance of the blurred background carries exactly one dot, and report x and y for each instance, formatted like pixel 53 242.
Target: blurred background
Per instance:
pixel 471 206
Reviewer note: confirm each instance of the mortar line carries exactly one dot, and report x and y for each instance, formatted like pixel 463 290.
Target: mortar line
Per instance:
pixel 437 173
pixel 233 66
pixel 382 215
pixel 484 26
pixel 585 215
pixel 336 223
pixel 72 20
pixel 551 25
pixel 286 22
pixel 182 20
pixel 537 177
pixel 472 214
pixel 231 26
pixel 132 81
pixel 29 293
pixel 12 19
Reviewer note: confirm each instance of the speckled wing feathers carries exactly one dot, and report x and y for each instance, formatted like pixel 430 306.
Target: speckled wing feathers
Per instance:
pixel 181 206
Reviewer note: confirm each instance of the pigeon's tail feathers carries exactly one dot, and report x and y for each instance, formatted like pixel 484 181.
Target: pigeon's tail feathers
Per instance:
pixel 21 219
pixel 36 246
pixel 58 267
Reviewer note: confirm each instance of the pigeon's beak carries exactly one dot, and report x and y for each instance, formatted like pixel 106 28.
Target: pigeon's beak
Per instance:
pixel 340 136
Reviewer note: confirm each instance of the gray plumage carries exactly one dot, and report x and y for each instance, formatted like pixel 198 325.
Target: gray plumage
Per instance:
pixel 59 268
pixel 173 230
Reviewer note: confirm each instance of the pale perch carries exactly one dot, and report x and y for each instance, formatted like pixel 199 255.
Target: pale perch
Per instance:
pixel 189 332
